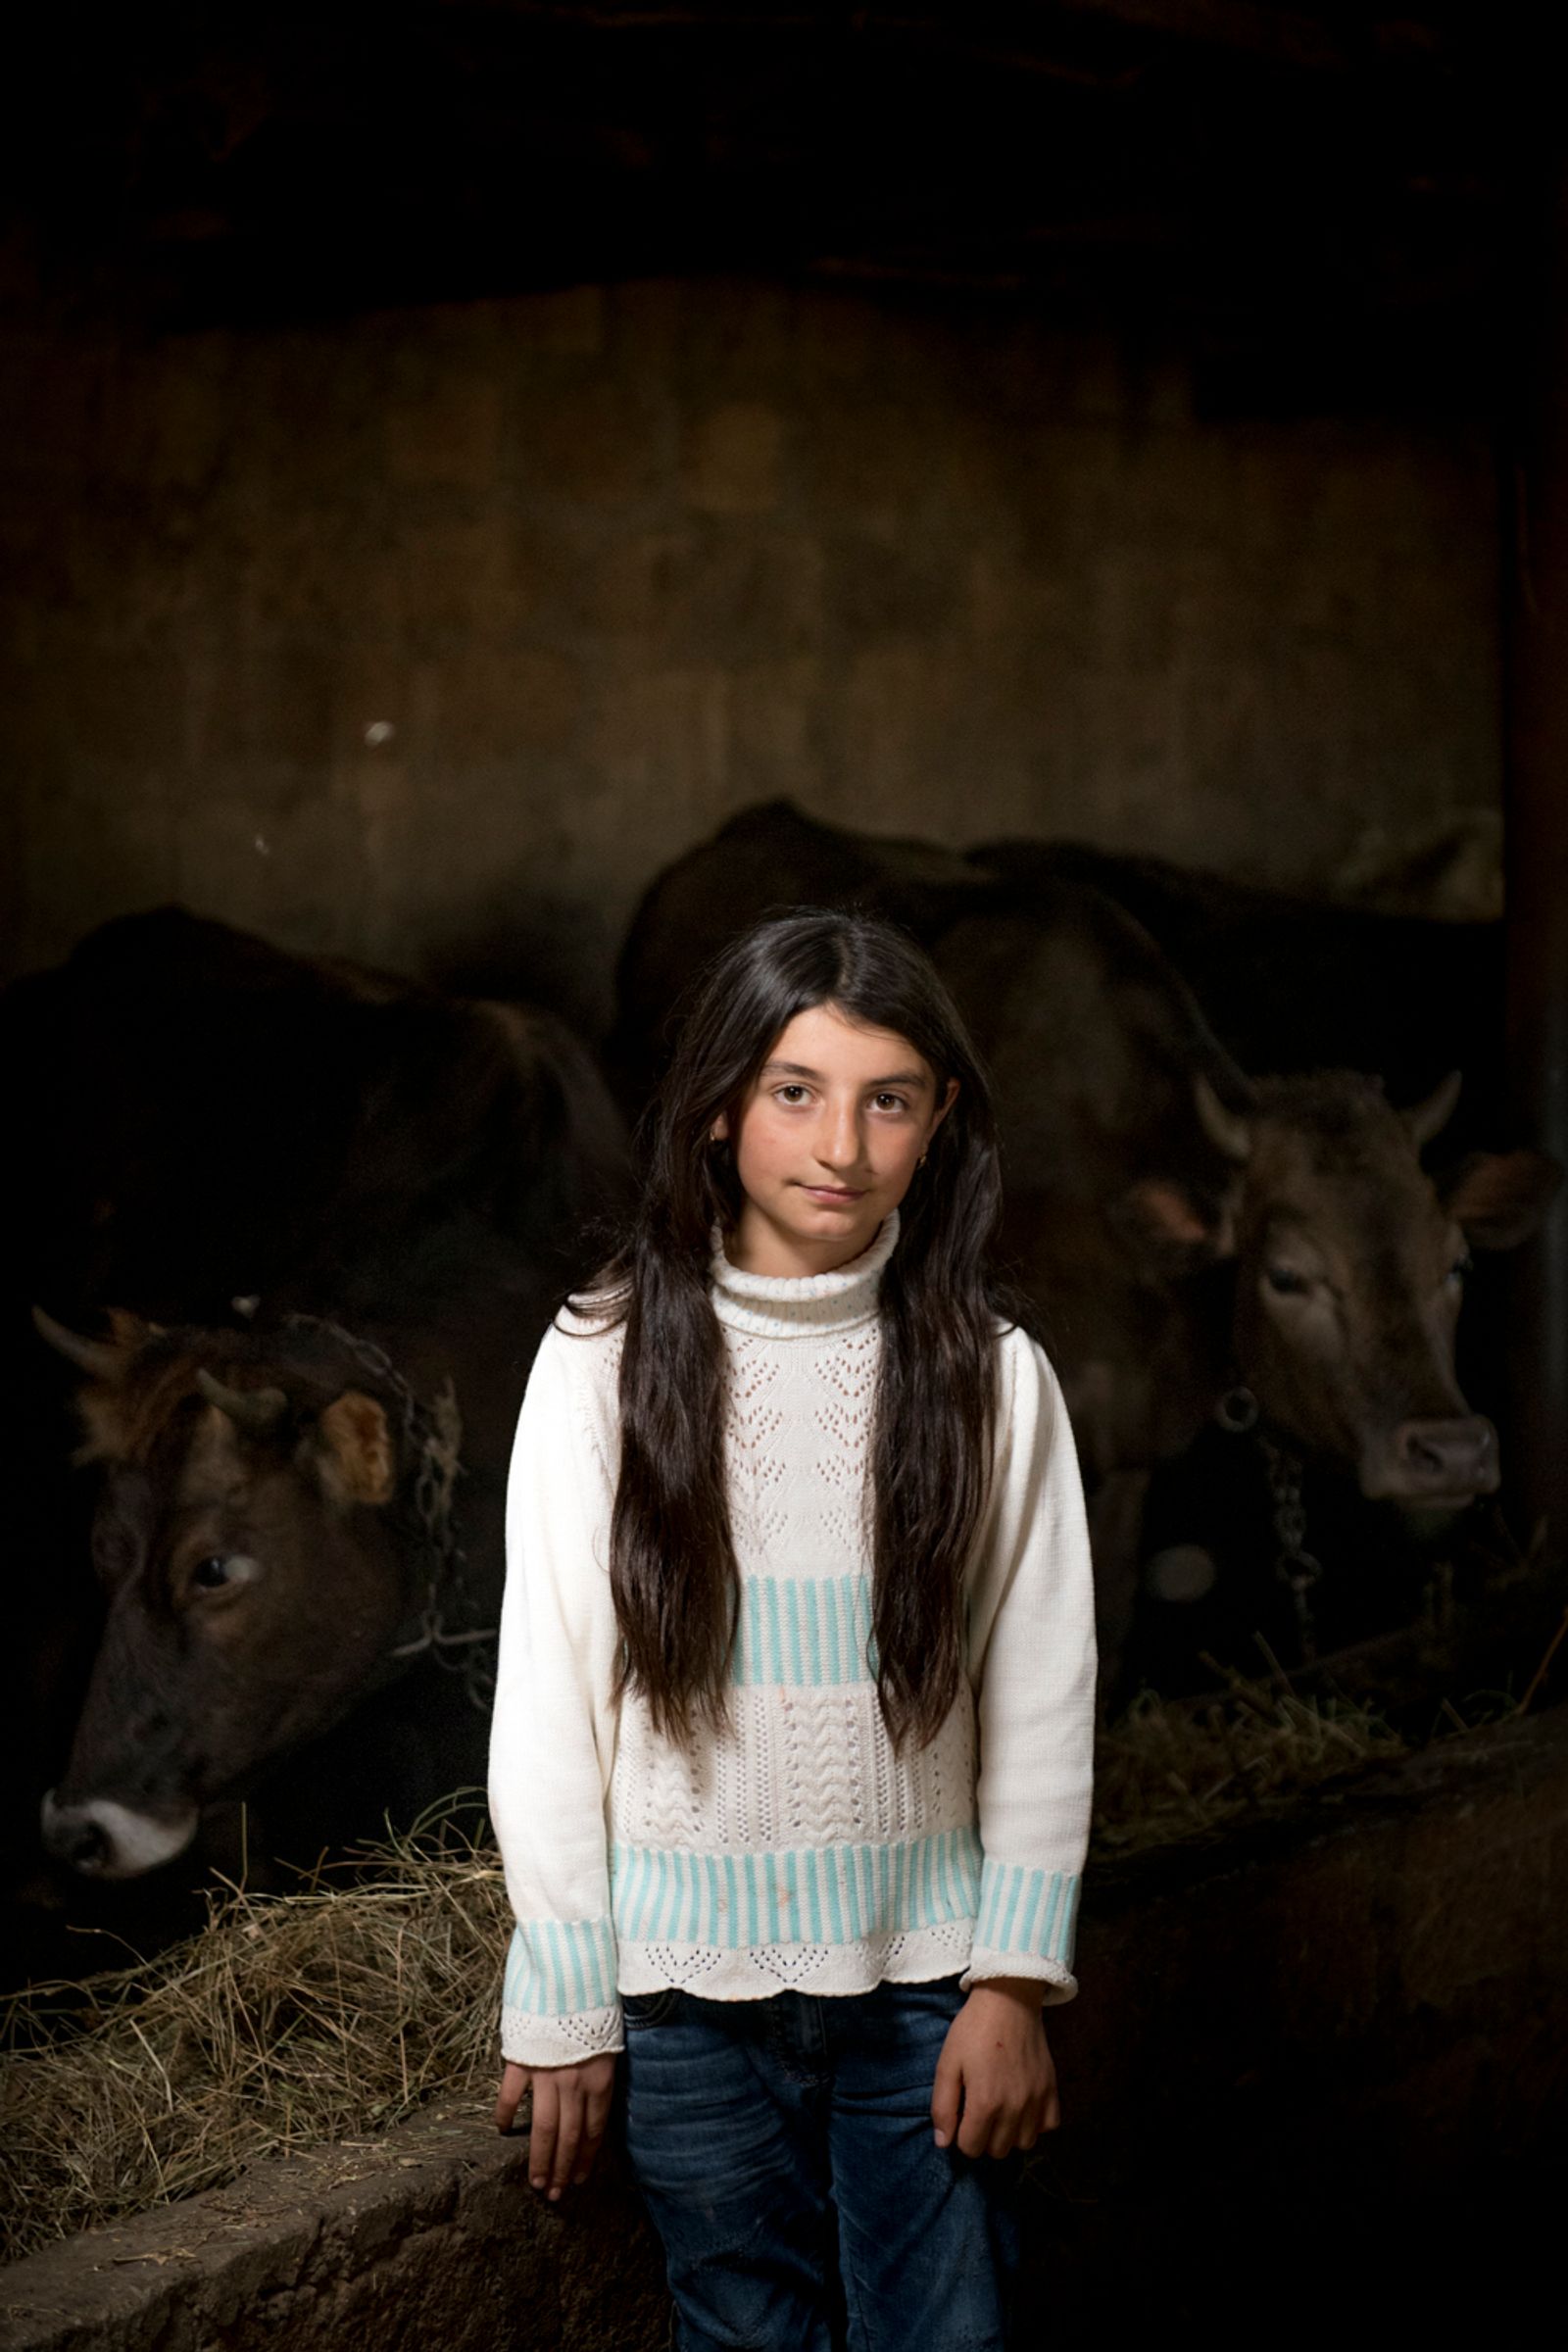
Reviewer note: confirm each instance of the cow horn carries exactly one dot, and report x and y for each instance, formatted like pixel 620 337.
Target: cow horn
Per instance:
pixel 1226 1131
pixel 100 1357
pixel 255 1410
pixel 1425 1119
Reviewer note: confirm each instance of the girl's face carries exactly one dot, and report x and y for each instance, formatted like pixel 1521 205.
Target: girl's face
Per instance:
pixel 827 1142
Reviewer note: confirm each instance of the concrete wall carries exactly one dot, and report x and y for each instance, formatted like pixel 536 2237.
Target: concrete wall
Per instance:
pixel 427 634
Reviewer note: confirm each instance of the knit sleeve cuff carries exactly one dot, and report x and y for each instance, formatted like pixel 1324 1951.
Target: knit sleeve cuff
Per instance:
pixel 1026 1927
pixel 529 2040
pixel 559 2002
pixel 1060 1983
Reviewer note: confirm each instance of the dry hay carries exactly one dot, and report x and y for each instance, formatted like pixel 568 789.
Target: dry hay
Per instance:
pixel 1170 1772
pixel 291 2019
pixel 337 2009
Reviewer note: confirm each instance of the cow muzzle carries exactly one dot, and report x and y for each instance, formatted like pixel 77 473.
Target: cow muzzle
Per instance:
pixel 104 1840
pixel 1434 1462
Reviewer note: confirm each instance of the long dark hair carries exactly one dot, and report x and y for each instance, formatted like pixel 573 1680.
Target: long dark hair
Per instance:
pixel 672 1557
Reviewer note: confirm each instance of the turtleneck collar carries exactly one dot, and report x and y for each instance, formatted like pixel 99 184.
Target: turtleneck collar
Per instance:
pixel 794 1307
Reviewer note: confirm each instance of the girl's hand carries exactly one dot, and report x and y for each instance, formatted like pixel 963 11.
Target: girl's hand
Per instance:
pixel 570 2110
pixel 996 2064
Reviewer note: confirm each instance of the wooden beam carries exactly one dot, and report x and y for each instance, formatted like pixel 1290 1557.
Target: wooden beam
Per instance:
pixel 1280 36
pixel 1536 849
pixel 1285 37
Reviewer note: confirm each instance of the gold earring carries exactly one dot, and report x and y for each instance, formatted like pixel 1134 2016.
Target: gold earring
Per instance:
pixel 924 1157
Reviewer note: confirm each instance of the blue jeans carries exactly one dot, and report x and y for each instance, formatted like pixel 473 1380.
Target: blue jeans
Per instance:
pixel 784 2148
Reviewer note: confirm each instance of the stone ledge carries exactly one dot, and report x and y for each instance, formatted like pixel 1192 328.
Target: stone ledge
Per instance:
pixel 1368 1989
pixel 428 2236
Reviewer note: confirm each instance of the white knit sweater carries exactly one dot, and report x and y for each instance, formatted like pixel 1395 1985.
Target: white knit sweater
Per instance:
pixel 797 1849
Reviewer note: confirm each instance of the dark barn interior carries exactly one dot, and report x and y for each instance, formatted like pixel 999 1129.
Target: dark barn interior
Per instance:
pixel 496 494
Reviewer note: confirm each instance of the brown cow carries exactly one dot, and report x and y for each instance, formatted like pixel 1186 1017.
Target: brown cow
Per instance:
pixel 1178 1227
pixel 406 1180
pixel 1182 1230
pixel 261 1566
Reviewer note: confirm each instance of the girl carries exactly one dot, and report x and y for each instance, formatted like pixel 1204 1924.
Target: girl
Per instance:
pixel 791 1756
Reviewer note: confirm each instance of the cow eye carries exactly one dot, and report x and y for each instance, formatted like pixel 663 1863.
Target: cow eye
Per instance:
pixel 223 1568
pixel 1285 1281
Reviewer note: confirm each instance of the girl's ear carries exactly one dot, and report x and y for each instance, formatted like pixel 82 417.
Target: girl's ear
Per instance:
pixel 946 1105
pixel 718 1133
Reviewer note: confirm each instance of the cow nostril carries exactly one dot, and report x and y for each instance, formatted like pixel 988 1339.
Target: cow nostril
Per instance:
pixel 1458 1452
pixel 85 1847
pixel 76 1837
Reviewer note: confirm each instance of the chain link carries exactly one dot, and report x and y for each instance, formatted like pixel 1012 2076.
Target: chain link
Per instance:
pixel 432 1436
pixel 1298 1570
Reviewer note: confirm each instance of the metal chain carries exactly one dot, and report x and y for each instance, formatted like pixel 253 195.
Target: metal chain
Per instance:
pixel 433 1435
pixel 1296 1568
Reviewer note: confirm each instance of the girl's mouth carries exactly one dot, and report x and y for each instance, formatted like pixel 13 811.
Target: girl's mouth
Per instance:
pixel 838 1196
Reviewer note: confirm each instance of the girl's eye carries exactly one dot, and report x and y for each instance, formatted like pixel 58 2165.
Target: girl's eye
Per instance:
pixel 791 1094
pixel 891 1102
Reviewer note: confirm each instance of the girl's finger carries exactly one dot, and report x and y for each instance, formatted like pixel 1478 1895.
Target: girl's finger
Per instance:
pixel 570 2135
pixel 945 2092
pixel 545 2123
pixel 596 2123
pixel 513 2082
pixel 599 2105
pixel 1037 2118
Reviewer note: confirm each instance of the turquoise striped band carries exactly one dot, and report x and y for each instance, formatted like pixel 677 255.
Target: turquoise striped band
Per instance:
pixel 799 1894
pixel 811 1630
pixel 557 1966
pixel 1033 1911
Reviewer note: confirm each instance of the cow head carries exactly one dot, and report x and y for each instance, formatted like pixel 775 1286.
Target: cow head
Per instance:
pixel 247 1546
pixel 1350 1271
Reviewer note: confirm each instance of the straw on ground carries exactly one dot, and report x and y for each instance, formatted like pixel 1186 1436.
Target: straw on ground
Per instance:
pixel 335 2010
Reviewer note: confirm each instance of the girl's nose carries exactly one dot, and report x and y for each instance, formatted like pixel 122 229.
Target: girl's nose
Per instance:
pixel 837 1143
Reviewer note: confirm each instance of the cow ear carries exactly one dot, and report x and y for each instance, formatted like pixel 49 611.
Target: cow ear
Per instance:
pixel 1170 1229
pixel 354 1449
pixel 1499 1197
pixel 104 1412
